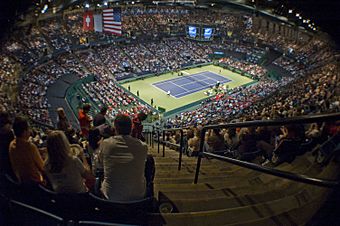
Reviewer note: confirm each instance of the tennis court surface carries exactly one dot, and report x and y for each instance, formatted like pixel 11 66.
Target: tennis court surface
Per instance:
pixel 188 84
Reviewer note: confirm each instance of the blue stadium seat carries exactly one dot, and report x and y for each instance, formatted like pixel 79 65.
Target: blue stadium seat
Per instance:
pixel 99 223
pixel 26 215
pixel 69 206
pixel 134 212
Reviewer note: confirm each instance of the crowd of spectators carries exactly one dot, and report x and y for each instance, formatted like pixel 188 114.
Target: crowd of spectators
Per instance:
pixel 116 61
pixel 130 60
pixel 143 58
pixel 9 70
pixel 313 93
pixel 32 98
pixel 254 70
pixel 14 47
pixel 57 33
pixel 290 65
pixel 63 163
pixel 93 63
pixel 106 92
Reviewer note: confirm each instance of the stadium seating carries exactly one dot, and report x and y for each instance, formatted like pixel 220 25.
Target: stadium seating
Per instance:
pixel 225 195
pixel 26 215
pixel 245 199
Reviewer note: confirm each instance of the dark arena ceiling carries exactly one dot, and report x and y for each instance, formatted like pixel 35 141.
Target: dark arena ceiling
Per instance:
pixel 325 14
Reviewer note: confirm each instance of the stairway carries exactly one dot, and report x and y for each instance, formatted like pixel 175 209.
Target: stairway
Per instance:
pixel 269 57
pixel 231 195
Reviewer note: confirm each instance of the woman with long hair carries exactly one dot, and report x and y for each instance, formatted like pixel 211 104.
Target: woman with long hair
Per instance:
pixel 65 171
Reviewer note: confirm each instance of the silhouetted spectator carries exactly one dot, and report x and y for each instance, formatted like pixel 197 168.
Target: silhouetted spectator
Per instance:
pixel 137 126
pixel 99 118
pixel 63 123
pixel 26 161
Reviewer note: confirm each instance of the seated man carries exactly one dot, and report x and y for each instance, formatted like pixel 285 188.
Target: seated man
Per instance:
pixel 123 158
pixel 25 158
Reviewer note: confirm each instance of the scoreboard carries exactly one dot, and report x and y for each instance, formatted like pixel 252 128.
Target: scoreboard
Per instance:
pixel 200 32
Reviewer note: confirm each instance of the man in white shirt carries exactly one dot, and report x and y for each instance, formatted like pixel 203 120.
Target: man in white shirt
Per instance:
pixel 123 158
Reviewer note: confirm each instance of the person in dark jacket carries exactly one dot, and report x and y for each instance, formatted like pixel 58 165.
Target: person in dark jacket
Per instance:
pixel 99 119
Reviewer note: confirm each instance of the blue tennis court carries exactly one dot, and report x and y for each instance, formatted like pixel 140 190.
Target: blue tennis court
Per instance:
pixel 189 84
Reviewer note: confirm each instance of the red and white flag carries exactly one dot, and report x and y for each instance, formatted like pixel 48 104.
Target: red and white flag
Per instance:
pixel 112 21
pixel 88 21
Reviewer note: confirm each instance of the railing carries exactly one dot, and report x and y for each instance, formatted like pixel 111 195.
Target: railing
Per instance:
pixel 42 125
pixel 180 144
pixel 148 136
pixel 149 139
pixel 274 172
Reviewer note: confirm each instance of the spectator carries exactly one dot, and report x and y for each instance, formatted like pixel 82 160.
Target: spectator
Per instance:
pixel 65 171
pixel 99 119
pixel 286 147
pixel 137 126
pixel 215 141
pixel 194 143
pixel 6 136
pixel 247 143
pixel 25 158
pixel 63 123
pixel 123 158
pixel 85 120
pixel 231 138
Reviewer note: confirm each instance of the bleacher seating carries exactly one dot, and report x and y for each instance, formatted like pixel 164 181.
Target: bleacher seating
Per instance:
pixel 225 195
pixel 230 195
pixel 26 215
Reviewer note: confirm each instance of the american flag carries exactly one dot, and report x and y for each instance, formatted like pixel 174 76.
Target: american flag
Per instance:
pixel 112 21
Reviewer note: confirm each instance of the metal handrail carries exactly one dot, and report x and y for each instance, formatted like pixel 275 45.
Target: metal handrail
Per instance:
pixel 180 144
pixel 274 172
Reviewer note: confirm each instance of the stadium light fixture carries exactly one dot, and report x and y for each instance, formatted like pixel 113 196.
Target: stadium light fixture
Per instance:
pixel 87 5
pixel 290 11
pixel 297 15
pixel 105 3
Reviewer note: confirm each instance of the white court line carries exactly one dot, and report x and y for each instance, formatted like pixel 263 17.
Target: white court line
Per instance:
pixel 164 91
pixel 197 89
pixel 193 90
pixel 186 92
pixel 169 80
pixel 187 73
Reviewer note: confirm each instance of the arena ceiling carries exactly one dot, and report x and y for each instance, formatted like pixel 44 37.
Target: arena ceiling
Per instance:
pixel 325 14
